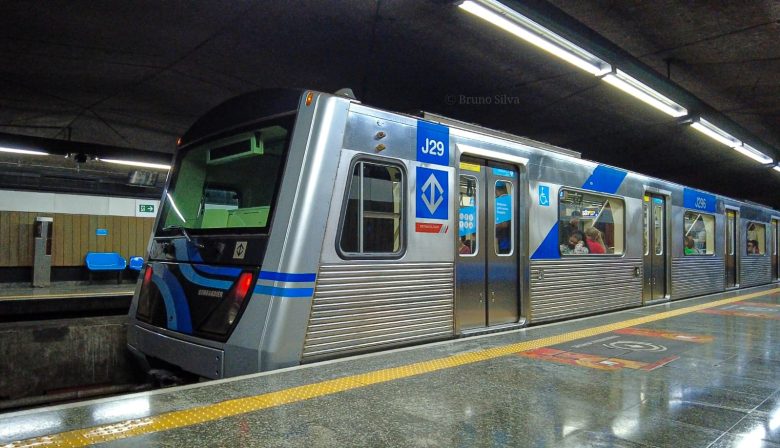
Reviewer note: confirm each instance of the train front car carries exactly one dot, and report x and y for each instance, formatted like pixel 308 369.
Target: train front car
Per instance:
pixel 217 273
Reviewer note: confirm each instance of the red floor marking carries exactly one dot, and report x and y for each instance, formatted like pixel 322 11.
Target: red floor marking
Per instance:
pixel 674 335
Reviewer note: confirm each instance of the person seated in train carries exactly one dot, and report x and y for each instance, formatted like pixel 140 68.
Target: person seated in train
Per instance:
pixel 594 241
pixel 464 246
pixel 575 244
pixel 690 246
pixel 752 247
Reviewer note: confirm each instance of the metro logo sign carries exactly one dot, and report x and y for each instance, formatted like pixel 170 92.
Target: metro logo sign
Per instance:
pixel 432 194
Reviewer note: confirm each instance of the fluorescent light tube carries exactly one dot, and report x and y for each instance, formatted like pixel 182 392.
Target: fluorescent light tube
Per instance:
pixel 643 92
pixel 23 151
pixel 753 153
pixel 511 21
pixel 715 133
pixel 158 166
pixel 776 168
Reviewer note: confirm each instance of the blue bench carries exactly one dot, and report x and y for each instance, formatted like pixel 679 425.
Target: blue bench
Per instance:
pixel 105 261
pixel 136 263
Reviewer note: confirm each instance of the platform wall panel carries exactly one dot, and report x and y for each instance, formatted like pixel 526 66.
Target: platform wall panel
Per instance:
pixel 73 236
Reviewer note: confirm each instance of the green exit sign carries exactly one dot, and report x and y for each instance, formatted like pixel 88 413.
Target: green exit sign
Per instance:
pixel 146 208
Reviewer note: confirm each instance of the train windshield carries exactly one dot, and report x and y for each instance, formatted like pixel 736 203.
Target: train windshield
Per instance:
pixel 228 185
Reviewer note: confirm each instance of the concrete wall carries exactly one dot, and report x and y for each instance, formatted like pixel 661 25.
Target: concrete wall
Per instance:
pixel 74 204
pixel 46 356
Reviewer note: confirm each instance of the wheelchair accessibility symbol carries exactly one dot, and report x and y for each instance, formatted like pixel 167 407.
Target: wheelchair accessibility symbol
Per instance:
pixel 544 196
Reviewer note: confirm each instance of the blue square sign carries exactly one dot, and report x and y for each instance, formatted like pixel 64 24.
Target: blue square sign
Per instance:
pixel 432 194
pixel 544 195
pixel 433 143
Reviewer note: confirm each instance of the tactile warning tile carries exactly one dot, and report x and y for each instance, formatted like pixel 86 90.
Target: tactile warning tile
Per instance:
pixel 216 411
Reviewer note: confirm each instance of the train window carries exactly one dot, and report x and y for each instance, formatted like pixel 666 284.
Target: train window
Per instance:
pixel 468 224
pixel 698 234
pixel 504 230
pixel 372 221
pixel 646 226
pixel 755 238
pixel 590 223
pixel 227 184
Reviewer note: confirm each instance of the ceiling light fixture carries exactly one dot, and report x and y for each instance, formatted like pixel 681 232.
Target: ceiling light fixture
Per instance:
pixel 23 151
pixel 645 93
pixel 776 168
pixel 517 24
pixel 715 133
pixel 753 153
pixel 158 166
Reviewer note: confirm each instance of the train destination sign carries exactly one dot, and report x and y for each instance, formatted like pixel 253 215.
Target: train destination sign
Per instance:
pixel 698 200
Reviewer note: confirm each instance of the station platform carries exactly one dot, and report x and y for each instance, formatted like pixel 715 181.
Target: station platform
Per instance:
pixel 700 372
pixel 63 300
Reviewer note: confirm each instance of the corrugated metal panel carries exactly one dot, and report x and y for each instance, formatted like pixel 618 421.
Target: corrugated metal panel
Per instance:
pixel 697 275
pixel 755 270
pixel 359 307
pixel 579 286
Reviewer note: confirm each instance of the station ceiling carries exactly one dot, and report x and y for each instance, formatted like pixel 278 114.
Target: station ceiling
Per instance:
pixel 136 74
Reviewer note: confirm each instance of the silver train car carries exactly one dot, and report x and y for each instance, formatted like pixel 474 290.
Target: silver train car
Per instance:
pixel 298 226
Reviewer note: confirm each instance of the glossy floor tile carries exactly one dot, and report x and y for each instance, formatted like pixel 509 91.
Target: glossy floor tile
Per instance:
pixel 718 385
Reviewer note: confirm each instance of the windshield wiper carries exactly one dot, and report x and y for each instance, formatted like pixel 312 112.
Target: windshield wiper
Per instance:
pixel 183 232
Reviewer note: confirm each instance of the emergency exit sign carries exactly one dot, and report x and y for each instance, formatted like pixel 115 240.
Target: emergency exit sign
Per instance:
pixel 146 208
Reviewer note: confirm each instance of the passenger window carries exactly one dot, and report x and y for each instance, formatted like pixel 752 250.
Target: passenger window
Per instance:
pixel 590 223
pixel 646 226
pixel 468 225
pixel 698 234
pixel 756 238
pixel 373 221
pixel 658 225
pixel 504 230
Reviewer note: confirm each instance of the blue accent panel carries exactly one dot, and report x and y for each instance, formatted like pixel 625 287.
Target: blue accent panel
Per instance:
pixel 433 143
pixel 189 273
pixel 217 270
pixel 698 200
pixel 180 306
pixel 605 180
pixel 101 232
pixel 284 292
pixel 549 249
pixel 282 277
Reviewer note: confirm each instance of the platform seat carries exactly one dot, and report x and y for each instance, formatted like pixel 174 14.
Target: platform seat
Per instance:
pixel 105 261
pixel 136 263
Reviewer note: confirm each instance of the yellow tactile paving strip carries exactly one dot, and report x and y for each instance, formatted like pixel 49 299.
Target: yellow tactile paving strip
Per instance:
pixel 216 411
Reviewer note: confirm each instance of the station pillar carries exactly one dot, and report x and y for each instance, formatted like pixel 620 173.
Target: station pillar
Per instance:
pixel 42 254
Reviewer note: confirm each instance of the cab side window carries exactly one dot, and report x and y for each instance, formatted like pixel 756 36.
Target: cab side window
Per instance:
pixel 372 222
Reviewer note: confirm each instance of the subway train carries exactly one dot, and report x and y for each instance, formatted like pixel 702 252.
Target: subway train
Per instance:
pixel 298 226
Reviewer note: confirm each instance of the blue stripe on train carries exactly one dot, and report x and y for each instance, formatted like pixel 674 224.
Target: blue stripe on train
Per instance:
pixel 283 277
pixel 284 292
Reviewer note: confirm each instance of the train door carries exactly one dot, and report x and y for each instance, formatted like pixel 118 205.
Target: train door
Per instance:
pixel 731 248
pixel 487 255
pixel 774 252
pixel 655 245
